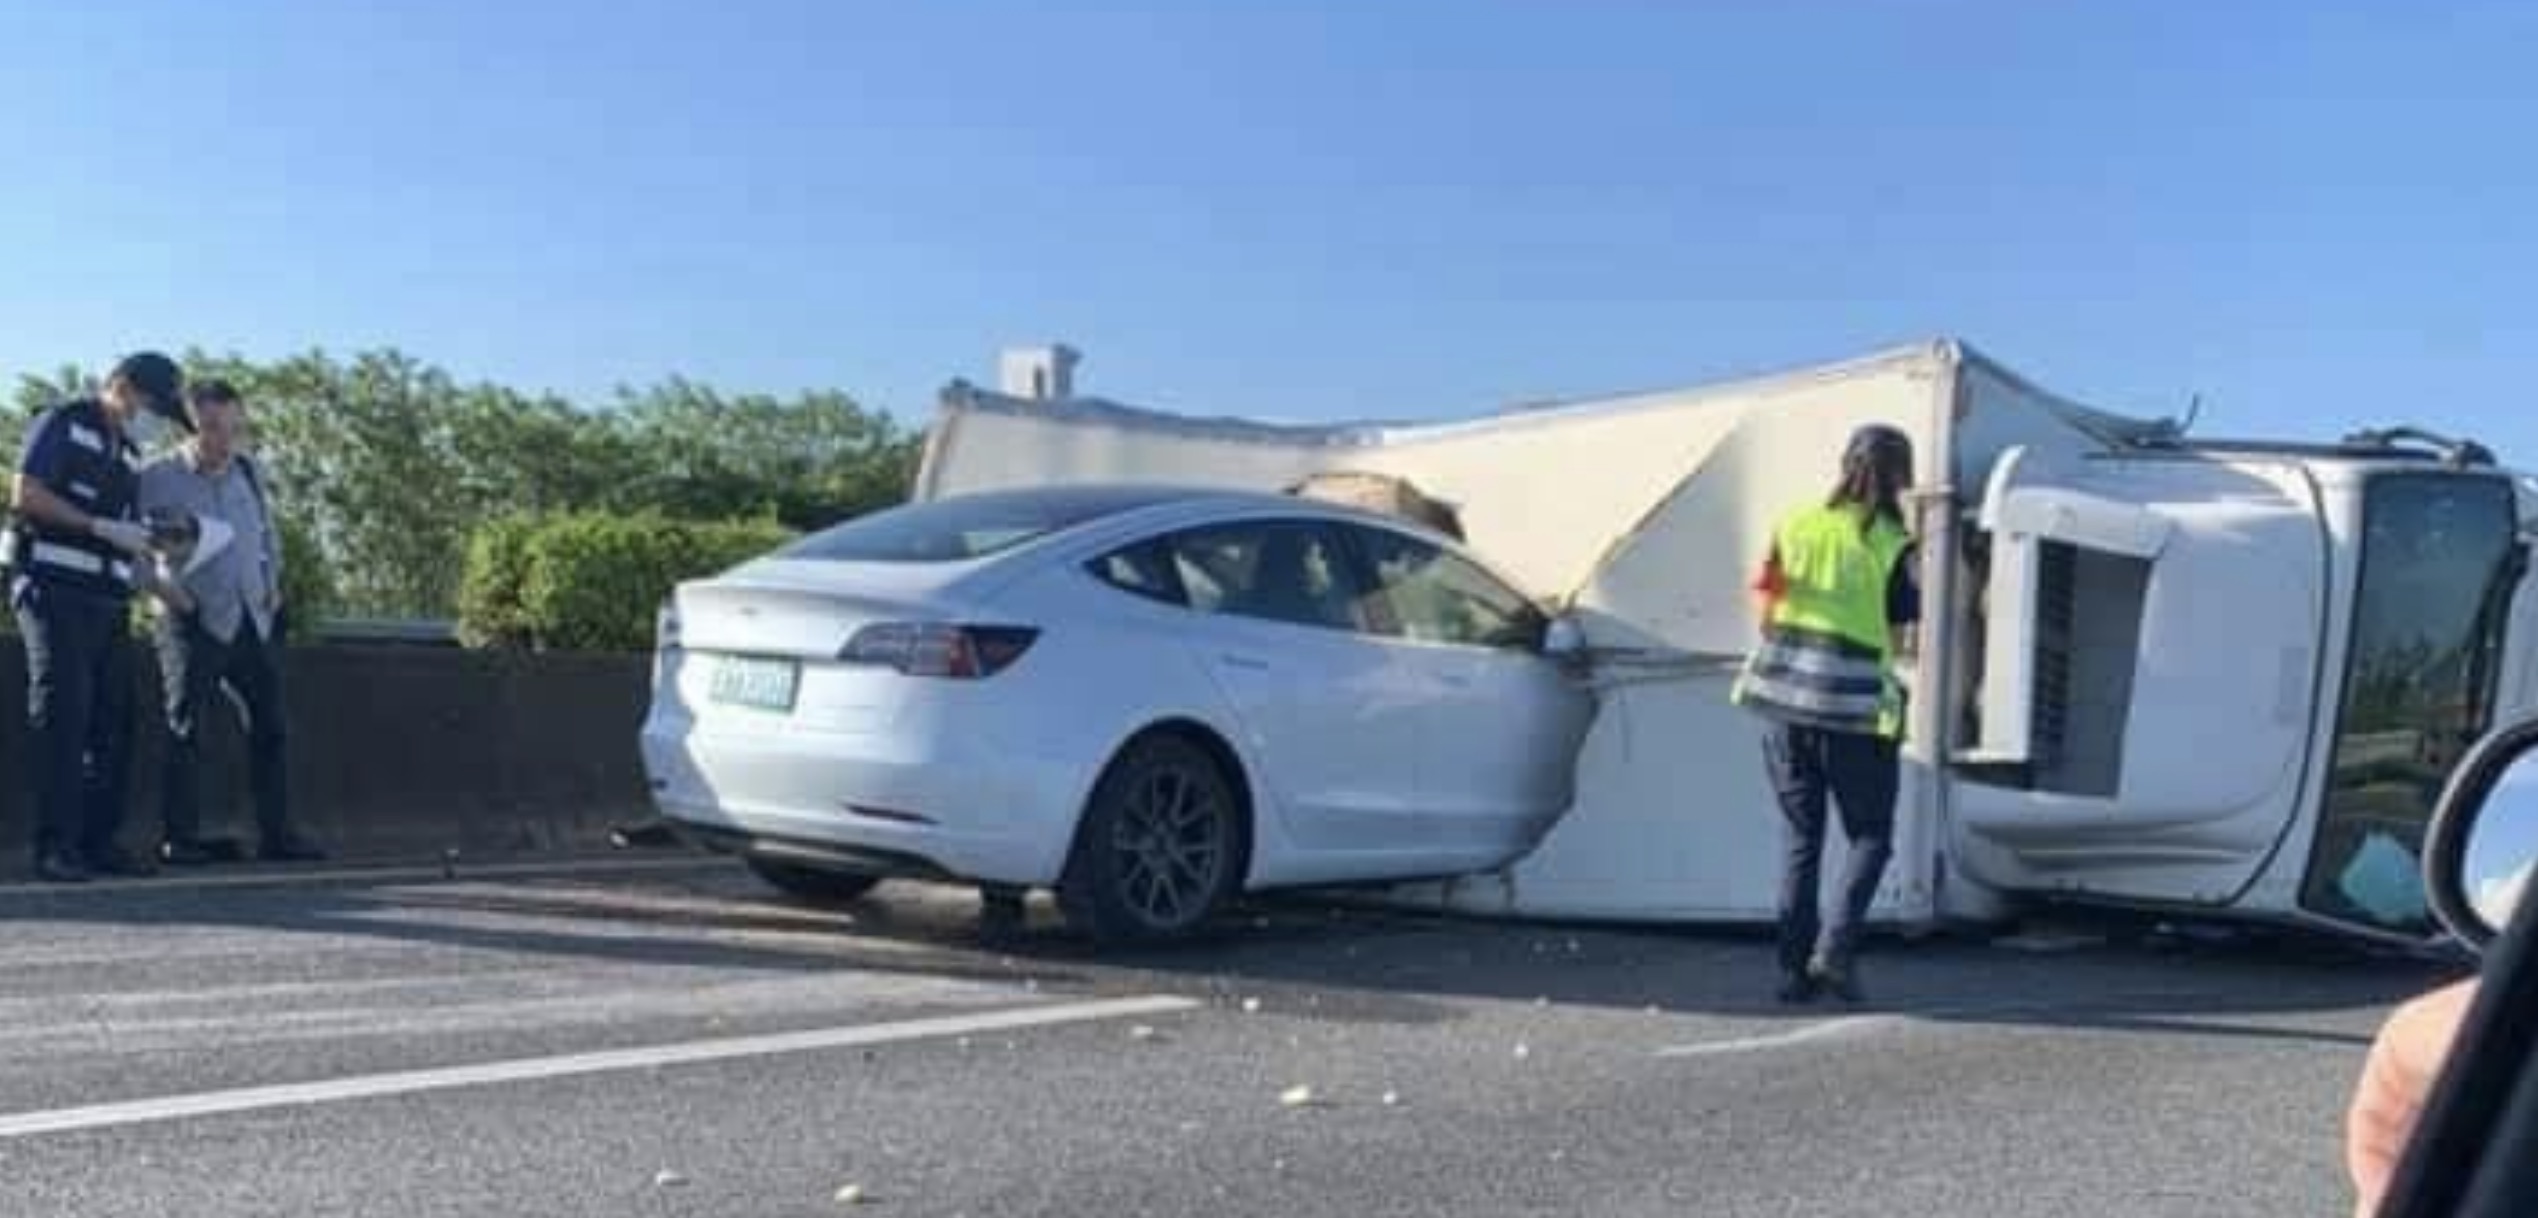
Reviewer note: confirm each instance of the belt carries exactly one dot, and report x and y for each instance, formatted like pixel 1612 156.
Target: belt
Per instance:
pixel 72 558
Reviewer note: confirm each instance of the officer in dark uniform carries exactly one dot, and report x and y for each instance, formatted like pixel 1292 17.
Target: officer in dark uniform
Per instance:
pixel 77 551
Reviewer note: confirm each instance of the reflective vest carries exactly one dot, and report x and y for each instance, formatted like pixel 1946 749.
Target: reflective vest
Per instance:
pixel 1824 658
pixel 97 470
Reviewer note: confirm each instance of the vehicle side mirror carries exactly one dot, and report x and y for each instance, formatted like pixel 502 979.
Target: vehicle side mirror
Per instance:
pixel 1564 640
pixel 2483 840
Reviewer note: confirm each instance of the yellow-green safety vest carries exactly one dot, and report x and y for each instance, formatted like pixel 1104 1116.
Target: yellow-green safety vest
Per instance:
pixel 1824 660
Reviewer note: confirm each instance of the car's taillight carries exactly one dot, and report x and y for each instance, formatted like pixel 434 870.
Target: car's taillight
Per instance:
pixel 928 649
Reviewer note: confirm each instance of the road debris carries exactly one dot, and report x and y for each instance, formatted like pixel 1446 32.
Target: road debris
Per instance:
pixel 1299 1096
pixel 852 1194
pixel 665 1178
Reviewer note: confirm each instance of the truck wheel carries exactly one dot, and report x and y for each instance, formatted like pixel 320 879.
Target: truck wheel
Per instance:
pixel 817 885
pixel 1159 849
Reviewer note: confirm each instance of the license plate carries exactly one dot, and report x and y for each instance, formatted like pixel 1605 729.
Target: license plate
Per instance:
pixel 756 682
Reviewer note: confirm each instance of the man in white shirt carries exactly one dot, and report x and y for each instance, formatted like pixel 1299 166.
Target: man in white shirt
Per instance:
pixel 221 626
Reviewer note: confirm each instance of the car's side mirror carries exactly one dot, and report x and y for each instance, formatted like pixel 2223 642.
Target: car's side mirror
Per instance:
pixel 2483 840
pixel 1564 640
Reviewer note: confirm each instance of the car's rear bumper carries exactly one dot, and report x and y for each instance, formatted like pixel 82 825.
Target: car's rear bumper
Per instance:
pixel 897 803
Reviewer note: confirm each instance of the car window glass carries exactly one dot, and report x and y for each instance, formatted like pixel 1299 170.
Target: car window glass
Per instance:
pixel 1146 570
pixel 1280 571
pixel 968 527
pixel 1432 596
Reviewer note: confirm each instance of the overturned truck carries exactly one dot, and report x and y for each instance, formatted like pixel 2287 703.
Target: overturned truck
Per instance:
pixel 2215 677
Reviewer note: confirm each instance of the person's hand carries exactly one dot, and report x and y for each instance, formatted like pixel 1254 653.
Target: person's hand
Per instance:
pixel 123 535
pixel 2397 1078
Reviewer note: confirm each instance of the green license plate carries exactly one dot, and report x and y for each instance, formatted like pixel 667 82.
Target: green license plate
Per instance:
pixel 756 682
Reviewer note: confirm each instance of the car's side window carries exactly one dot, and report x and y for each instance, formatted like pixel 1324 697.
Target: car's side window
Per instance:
pixel 1432 596
pixel 1146 569
pixel 1291 571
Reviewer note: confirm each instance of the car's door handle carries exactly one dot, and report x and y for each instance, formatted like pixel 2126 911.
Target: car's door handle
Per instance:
pixel 1246 663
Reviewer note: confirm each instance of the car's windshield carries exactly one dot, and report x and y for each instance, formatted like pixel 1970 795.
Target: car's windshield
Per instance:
pixel 2438 560
pixel 968 527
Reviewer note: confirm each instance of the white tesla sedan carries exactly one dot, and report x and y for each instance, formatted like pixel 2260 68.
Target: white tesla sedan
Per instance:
pixel 1147 698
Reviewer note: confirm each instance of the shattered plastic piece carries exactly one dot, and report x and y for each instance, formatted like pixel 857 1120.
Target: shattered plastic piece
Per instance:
pixel 1143 1032
pixel 1523 1050
pixel 1392 1099
pixel 1251 1006
pixel 1297 1097
pixel 665 1178
pixel 852 1194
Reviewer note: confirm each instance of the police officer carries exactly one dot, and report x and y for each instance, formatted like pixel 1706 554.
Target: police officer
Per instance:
pixel 1835 593
pixel 77 551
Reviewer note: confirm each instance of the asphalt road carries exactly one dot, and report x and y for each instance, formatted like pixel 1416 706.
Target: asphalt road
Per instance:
pixel 670 1040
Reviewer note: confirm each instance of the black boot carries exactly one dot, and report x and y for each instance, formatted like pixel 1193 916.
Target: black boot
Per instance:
pixel 60 867
pixel 1797 988
pixel 1838 977
pixel 197 852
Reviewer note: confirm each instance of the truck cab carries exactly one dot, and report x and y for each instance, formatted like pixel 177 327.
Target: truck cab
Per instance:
pixel 2233 676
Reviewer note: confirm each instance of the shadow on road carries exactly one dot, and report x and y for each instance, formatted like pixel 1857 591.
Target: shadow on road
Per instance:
pixel 1355 963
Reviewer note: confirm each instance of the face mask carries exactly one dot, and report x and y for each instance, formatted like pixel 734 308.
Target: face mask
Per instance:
pixel 148 428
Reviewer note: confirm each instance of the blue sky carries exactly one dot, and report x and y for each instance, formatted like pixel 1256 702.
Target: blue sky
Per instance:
pixel 2316 215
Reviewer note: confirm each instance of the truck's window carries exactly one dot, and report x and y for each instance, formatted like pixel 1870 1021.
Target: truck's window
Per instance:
pixel 2439 560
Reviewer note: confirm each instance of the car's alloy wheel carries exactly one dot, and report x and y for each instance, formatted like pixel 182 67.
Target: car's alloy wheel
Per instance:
pixel 1160 847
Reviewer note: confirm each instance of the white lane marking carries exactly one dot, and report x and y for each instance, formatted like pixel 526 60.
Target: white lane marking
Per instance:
pixel 167 882
pixel 371 1086
pixel 1778 1040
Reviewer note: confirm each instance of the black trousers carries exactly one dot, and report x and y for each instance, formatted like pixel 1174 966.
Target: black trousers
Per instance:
pixel 193 668
pixel 78 715
pixel 1860 775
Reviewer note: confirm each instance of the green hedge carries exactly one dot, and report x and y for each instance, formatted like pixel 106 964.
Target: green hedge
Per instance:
pixel 591 582
pixel 308 581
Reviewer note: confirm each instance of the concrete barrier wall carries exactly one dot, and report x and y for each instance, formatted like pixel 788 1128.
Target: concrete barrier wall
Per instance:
pixel 396 752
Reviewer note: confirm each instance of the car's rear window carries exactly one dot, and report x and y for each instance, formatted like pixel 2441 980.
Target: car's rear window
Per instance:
pixel 970 526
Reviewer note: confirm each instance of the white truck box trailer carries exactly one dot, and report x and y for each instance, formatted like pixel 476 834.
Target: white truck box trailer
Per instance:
pixel 2226 678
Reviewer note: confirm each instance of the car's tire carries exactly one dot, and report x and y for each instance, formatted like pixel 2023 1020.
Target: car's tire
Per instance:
pixel 1162 845
pixel 818 885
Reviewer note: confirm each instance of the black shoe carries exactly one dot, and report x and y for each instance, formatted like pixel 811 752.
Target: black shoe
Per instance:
pixel 59 867
pixel 196 852
pixel 1841 980
pixel 116 861
pixel 1796 989
pixel 289 847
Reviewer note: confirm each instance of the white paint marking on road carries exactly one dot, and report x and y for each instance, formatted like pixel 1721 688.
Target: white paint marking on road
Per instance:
pixel 1779 1040
pixel 379 875
pixel 371 1086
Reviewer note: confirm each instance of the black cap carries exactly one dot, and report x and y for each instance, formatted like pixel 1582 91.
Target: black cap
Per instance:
pixel 159 379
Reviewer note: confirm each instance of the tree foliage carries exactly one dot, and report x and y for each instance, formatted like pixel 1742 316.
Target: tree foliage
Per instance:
pixel 387 466
pixel 592 581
